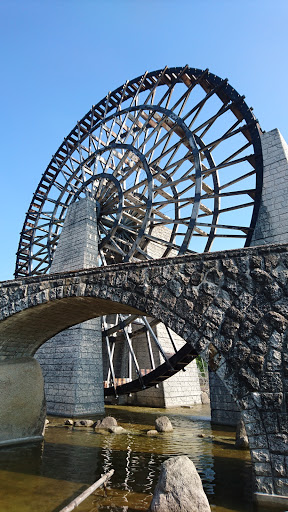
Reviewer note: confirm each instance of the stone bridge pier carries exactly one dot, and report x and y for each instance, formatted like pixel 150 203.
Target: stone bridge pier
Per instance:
pixel 233 305
pixel 271 228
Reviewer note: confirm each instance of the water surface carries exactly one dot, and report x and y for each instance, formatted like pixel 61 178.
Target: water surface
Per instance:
pixel 46 477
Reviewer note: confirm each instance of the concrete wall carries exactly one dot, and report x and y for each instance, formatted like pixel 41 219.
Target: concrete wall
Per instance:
pixel 71 361
pixel 22 401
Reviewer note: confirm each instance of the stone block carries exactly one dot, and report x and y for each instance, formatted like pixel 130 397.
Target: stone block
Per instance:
pixel 262 468
pixel 260 455
pixel 258 441
pixel 264 484
pixel 278 465
pixel 278 443
pixel 281 486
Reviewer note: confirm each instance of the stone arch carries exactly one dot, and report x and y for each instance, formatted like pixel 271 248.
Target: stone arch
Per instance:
pixel 233 304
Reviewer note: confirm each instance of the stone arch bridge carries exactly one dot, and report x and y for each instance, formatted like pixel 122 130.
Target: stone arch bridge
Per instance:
pixel 232 304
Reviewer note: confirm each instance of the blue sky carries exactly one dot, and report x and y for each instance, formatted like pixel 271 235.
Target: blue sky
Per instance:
pixel 61 56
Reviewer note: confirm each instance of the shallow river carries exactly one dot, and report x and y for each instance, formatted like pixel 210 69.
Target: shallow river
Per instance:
pixel 47 477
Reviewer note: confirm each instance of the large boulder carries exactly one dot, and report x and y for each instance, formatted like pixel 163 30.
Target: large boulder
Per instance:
pixel 107 422
pixel 241 442
pixel 163 424
pixel 179 488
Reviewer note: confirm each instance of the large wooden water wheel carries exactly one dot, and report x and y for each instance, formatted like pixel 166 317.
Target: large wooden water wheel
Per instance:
pixel 173 159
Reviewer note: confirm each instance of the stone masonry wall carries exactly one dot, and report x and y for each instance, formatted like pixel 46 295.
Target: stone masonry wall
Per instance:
pixel 224 410
pixel 232 304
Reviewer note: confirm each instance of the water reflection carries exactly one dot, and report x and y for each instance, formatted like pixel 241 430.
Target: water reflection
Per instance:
pixel 46 477
pixel 26 459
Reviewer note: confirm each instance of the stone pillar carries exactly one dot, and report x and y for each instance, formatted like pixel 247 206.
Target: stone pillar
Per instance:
pixel 271 227
pixel 72 360
pixel 272 223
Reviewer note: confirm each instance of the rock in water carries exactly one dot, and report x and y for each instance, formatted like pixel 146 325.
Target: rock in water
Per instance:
pixel 163 424
pixel 83 423
pixel 152 433
pixel 107 422
pixel 117 430
pixel 179 488
pixel 205 398
pixel 241 442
